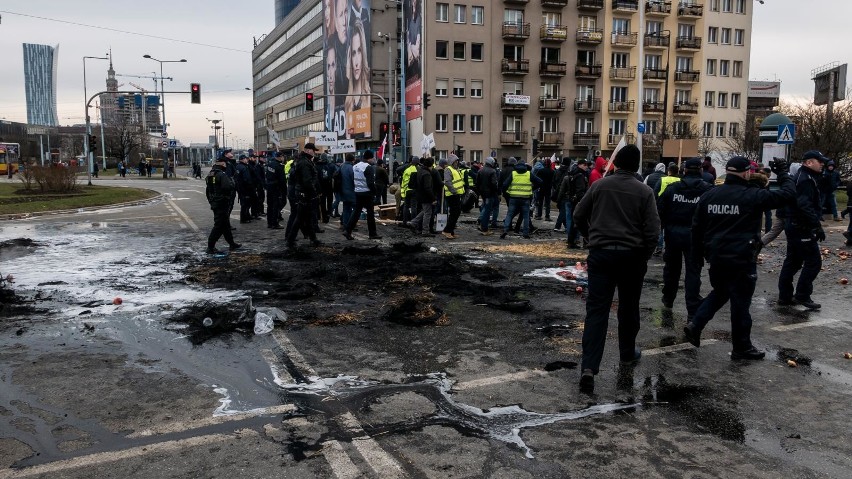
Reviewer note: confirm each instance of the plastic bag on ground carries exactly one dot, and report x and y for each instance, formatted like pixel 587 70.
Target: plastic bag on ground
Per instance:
pixel 262 323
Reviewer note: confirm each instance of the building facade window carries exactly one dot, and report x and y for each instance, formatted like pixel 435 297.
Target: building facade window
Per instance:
pixel 459 14
pixel 682 128
pixel 651 95
pixel 441 122
pixel 620 60
pixel 585 125
pixel 458 123
pixel 513 123
pixel 618 93
pixel 550 90
pixel 654 62
pixel 616 127
pixel 513 16
pixel 711 67
pixel 724 68
pixel 735 100
pixel 513 52
pixel 727 5
pixel 739 36
pixel 709 99
pixel 733 130
pixel 476 52
pixel 441 86
pixel 477 15
pixel 714 5
pixel 459 87
pixel 441 47
pixel 707 129
pixel 476 88
pixel 442 12
pixel 620 25
pixel 513 87
pixel 723 100
pixel 587 23
pixel 726 36
pixel 720 129
pixel 683 97
pixel 476 155
pixel 652 127
pixel 476 123
pixel 740 6
pixel 459 50
pixel 713 35
pixel 738 69
pixel 549 124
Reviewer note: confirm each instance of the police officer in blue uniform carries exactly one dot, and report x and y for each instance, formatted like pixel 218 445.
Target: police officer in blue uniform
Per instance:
pixel 276 186
pixel 676 207
pixel 726 232
pixel 803 231
pixel 219 191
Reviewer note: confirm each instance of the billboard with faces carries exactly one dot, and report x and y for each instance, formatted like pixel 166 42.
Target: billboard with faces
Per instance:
pixel 413 17
pixel 347 56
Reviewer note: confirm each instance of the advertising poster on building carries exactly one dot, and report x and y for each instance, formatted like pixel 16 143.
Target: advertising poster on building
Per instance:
pixel 347 54
pixel 413 17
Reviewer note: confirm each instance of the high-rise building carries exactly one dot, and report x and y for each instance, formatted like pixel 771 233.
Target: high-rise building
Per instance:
pixel 40 62
pixel 499 76
pixel 283 8
pixel 109 101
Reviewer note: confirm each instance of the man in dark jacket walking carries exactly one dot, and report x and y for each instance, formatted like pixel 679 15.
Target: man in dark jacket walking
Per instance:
pixel 726 232
pixel 804 232
pixel 489 190
pixel 426 197
pixel 220 188
pixel 676 207
pixel 245 188
pixel 559 175
pixel 543 198
pixel 619 217
pixel 570 192
pixel 302 186
pixel 276 190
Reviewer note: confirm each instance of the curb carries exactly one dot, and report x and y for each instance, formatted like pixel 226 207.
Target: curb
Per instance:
pixel 22 216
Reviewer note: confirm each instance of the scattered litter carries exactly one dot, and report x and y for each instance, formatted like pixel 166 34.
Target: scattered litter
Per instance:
pixel 207 322
pixel 847 355
pixel 844 281
pixel 433 249
pixel 554 250
pixel 791 363
pixel 262 323
pixel 117 300
pixel 571 274
pixel 789 355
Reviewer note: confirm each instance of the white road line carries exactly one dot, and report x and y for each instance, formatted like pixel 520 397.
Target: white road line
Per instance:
pixel 676 347
pixel 341 465
pixel 807 324
pixel 113 456
pixel 185 217
pixel 490 381
pixel 292 352
pixel 383 463
pixel 209 421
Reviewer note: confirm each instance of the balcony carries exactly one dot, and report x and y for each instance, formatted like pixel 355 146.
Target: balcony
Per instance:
pixel 589 105
pixel 614 139
pixel 594 5
pixel 588 72
pixel 655 8
pixel 553 33
pixel 514 102
pixel 625 39
pixel 658 39
pixel 516 31
pixel 586 139
pixel 554 3
pixel 552 69
pixel 622 73
pixel 513 137
pixel 625 5
pixel 687 76
pixel 622 106
pixel 517 1
pixel 551 139
pixel 514 67
pixel 653 107
pixel 589 37
pixel 685 10
pixel 685 108
pixel 551 104
pixel 655 74
pixel 689 43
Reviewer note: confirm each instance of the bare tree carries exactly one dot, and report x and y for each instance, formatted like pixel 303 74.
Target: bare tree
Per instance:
pixel 746 142
pixel 815 131
pixel 123 137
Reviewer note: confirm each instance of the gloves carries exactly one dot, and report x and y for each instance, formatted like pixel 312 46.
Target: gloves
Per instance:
pixel 779 166
pixel 820 235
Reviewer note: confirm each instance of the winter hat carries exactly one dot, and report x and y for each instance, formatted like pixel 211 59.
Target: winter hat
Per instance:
pixel 627 158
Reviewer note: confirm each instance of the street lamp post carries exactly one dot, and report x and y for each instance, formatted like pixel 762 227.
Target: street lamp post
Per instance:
pixel 223 126
pixel 89 161
pixel 163 103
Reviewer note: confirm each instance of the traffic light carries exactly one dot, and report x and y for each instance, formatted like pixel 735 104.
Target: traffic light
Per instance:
pixel 93 143
pixel 460 152
pixel 309 102
pixel 383 128
pixel 195 92
pixel 535 146
pixel 426 100
pixel 396 132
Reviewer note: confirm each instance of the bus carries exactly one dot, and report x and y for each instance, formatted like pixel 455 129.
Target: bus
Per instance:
pixel 9 158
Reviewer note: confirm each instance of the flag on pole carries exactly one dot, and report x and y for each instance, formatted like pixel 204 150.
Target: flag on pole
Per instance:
pixel 553 158
pixel 621 144
pixel 381 152
pixel 273 137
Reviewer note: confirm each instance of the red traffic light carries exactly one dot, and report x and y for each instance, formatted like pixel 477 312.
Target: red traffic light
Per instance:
pixel 309 96
pixel 195 92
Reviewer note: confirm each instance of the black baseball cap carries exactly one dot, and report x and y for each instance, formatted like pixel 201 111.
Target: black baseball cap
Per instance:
pixel 814 155
pixel 738 164
pixel 692 164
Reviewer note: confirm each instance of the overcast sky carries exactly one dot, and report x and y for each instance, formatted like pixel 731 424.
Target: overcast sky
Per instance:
pixel 790 38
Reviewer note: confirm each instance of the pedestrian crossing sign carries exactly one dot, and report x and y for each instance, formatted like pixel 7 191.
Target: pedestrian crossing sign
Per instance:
pixel 786 134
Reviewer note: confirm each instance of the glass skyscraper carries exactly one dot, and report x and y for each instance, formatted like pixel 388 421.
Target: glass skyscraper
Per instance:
pixel 40 83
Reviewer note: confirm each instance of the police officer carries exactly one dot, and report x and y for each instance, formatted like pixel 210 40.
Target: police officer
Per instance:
pixel 231 171
pixel 803 231
pixel 219 191
pixel 726 232
pixel 302 188
pixel 245 189
pixel 259 179
pixel 676 207
pixel 276 187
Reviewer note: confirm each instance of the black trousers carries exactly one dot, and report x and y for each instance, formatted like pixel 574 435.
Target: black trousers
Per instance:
pixel 734 283
pixel 610 270
pixel 301 217
pixel 246 202
pixel 363 200
pixel 221 226
pixel 678 253
pixel 454 203
pixel 257 207
pixel 275 202
pixel 802 254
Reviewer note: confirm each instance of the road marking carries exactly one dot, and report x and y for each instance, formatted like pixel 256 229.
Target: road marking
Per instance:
pixel 676 347
pixel 490 381
pixel 291 352
pixel 185 217
pixel 341 465
pixel 133 452
pixel 209 421
pixel 807 324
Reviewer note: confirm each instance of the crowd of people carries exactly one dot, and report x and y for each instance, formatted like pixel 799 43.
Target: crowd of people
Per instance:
pixel 681 211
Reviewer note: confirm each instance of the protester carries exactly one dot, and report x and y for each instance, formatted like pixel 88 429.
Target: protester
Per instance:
pixel 276 190
pixel 454 188
pixel 302 187
pixel 518 187
pixel 426 197
pixel 365 193
pixel 489 190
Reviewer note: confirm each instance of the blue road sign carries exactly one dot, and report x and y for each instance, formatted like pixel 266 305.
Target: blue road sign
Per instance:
pixel 786 134
pixel 172 143
pixel 640 127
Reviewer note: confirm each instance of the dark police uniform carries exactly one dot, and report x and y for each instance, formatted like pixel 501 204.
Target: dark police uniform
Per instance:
pixel 259 179
pixel 276 186
pixel 676 207
pixel 302 186
pixel 219 191
pixel 726 232
pixel 246 190
pixel 803 232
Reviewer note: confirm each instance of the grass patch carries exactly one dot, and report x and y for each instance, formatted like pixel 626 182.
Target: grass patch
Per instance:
pixel 15 200
pixel 841 198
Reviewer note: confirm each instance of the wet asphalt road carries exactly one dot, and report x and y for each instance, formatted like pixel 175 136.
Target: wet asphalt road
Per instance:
pixel 92 389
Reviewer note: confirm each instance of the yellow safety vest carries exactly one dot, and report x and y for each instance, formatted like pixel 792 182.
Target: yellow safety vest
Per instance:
pixel 287 167
pixel 406 179
pixel 521 186
pixel 458 182
pixel 665 182
pixel 468 178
